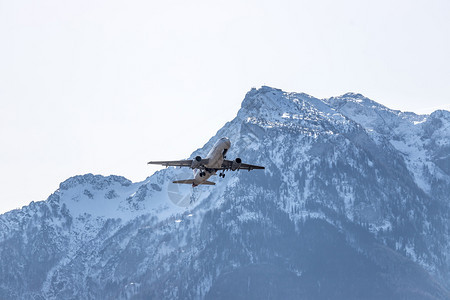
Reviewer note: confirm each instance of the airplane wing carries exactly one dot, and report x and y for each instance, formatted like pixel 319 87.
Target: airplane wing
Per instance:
pixel 177 163
pixel 228 163
pixel 191 181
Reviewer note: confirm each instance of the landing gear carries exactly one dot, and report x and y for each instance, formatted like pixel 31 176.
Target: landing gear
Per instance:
pixel 202 174
pixel 222 175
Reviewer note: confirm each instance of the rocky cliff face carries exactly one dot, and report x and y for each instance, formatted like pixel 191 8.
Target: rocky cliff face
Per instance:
pixel 353 204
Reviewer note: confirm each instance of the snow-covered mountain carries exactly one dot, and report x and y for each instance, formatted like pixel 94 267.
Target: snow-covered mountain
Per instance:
pixel 353 204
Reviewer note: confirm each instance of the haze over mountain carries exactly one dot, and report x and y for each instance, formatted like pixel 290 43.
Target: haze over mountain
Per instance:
pixel 353 204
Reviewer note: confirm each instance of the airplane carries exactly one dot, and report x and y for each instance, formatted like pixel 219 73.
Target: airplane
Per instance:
pixel 205 167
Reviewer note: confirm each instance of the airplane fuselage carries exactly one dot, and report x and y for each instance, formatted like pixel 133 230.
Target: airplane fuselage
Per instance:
pixel 215 159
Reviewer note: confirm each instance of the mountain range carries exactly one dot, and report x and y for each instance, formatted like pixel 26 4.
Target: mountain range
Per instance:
pixel 353 204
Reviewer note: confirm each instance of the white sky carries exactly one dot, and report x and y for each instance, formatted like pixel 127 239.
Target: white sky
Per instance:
pixel 104 86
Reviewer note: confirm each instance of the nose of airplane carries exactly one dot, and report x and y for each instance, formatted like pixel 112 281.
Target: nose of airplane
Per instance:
pixel 227 141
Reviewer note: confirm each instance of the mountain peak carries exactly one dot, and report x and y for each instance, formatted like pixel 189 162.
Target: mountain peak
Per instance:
pixel 441 114
pixel 355 99
pixel 98 181
pixel 271 102
pixel 256 98
pixel 354 95
pixel 270 107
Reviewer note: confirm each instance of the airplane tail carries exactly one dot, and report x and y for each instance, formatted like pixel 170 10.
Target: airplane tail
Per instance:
pixel 191 181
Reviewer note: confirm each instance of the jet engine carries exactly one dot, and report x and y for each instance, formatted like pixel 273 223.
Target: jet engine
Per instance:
pixel 196 162
pixel 236 164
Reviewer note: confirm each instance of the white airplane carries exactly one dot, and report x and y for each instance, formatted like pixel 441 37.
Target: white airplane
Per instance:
pixel 214 161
